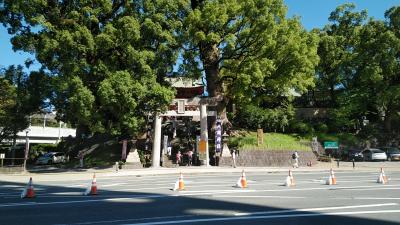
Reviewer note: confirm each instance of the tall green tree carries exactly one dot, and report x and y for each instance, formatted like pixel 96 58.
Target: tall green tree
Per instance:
pixel 248 50
pixel 90 47
pixel 360 65
pixel 336 50
pixel 377 80
pixel 22 95
pixel 7 102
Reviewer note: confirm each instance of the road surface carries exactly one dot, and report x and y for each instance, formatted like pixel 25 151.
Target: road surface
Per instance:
pixel 207 199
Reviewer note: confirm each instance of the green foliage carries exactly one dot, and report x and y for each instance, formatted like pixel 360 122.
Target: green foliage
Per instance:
pixel 249 51
pixel 40 149
pixel 253 117
pixel 302 128
pixel 21 94
pixel 361 58
pixel 86 45
pixel 322 128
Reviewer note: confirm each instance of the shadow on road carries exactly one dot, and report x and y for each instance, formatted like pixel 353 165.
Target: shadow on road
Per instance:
pixel 67 206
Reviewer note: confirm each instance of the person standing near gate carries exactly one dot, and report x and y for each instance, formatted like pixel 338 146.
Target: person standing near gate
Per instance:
pixel 190 157
pixel 178 158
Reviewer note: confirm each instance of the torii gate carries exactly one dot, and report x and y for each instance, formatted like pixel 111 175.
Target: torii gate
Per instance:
pixel 203 113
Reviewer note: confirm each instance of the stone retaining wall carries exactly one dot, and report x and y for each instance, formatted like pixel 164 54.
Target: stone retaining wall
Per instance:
pixel 261 158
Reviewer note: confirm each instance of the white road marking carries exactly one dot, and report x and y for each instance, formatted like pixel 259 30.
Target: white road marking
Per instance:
pixel 76 185
pixel 316 209
pixel 126 220
pixel 372 198
pixel 330 187
pixel 130 200
pixel 112 185
pixel 263 217
pixel 10 186
pixel 67 193
pixel 255 196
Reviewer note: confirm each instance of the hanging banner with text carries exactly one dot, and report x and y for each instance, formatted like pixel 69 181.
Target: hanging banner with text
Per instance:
pixel 218 136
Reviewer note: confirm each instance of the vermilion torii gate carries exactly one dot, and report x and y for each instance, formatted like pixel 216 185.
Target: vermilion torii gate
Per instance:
pixel 200 106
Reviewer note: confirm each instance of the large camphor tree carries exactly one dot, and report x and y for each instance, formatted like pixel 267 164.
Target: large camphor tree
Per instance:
pixel 248 50
pixel 107 58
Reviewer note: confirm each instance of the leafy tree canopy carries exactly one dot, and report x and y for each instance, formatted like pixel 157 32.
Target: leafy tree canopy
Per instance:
pixel 94 49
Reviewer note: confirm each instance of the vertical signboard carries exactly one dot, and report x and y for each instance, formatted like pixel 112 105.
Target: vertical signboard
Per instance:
pixel 165 144
pixel 260 137
pixel 218 136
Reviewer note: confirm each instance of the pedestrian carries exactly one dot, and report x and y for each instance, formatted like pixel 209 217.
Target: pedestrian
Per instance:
pixel 169 150
pixel 295 158
pixel 178 158
pixel 190 157
pixel 80 156
pixel 234 158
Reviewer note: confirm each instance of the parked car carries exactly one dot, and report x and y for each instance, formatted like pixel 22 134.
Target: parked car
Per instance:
pixel 392 153
pixel 374 154
pixel 355 154
pixel 50 158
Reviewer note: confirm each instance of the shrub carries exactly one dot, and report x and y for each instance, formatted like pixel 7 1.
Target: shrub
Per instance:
pixel 321 127
pixel 40 149
pixel 302 128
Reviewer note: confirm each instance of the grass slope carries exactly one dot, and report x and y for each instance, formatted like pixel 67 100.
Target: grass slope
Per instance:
pixel 272 141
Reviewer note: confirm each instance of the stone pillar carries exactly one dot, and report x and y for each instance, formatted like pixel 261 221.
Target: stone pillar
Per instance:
pixel 156 142
pixel 174 128
pixel 204 129
pixel 225 149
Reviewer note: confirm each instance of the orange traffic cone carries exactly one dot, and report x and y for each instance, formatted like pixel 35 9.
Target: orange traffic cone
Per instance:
pixel 92 189
pixel 179 184
pixel 28 191
pixel 242 182
pixel 382 179
pixel 332 179
pixel 290 180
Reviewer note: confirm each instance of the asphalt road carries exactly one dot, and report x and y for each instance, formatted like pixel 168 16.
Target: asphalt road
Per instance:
pixel 207 199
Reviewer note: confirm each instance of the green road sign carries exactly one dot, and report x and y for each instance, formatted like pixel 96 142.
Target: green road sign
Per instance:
pixel 331 145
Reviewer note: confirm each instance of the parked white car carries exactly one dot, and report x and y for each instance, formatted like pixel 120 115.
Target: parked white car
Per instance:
pixel 374 154
pixel 50 158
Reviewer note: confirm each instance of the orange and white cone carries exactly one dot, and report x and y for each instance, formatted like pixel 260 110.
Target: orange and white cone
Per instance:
pixel 382 179
pixel 92 189
pixel 28 191
pixel 242 182
pixel 290 180
pixel 332 179
pixel 179 184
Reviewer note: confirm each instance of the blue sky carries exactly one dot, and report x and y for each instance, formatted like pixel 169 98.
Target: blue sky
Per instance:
pixel 313 13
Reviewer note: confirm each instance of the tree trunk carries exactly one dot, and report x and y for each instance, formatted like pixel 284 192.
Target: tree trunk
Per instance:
pixel 388 121
pixel 210 56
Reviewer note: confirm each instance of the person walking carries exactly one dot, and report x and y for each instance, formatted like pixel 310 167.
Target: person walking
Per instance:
pixel 190 157
pixel 81 155
pixel 169 150
pixel 295 158
pixel 178 158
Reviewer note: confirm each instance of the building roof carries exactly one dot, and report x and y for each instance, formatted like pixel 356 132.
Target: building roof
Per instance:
pixel 184 82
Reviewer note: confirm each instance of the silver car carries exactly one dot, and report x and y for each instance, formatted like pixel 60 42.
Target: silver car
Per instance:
pixel 392 153
pixel 374 154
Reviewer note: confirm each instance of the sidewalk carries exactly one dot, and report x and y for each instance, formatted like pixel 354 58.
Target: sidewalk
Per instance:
pixel 86 174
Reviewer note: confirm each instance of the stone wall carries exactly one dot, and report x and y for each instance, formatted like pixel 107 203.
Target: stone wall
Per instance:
pixel 260 158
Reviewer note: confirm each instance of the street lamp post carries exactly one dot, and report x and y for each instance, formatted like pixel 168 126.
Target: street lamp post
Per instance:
pixel 26 147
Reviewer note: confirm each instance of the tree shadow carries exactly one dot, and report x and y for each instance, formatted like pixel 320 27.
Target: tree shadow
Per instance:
pixel 69 206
